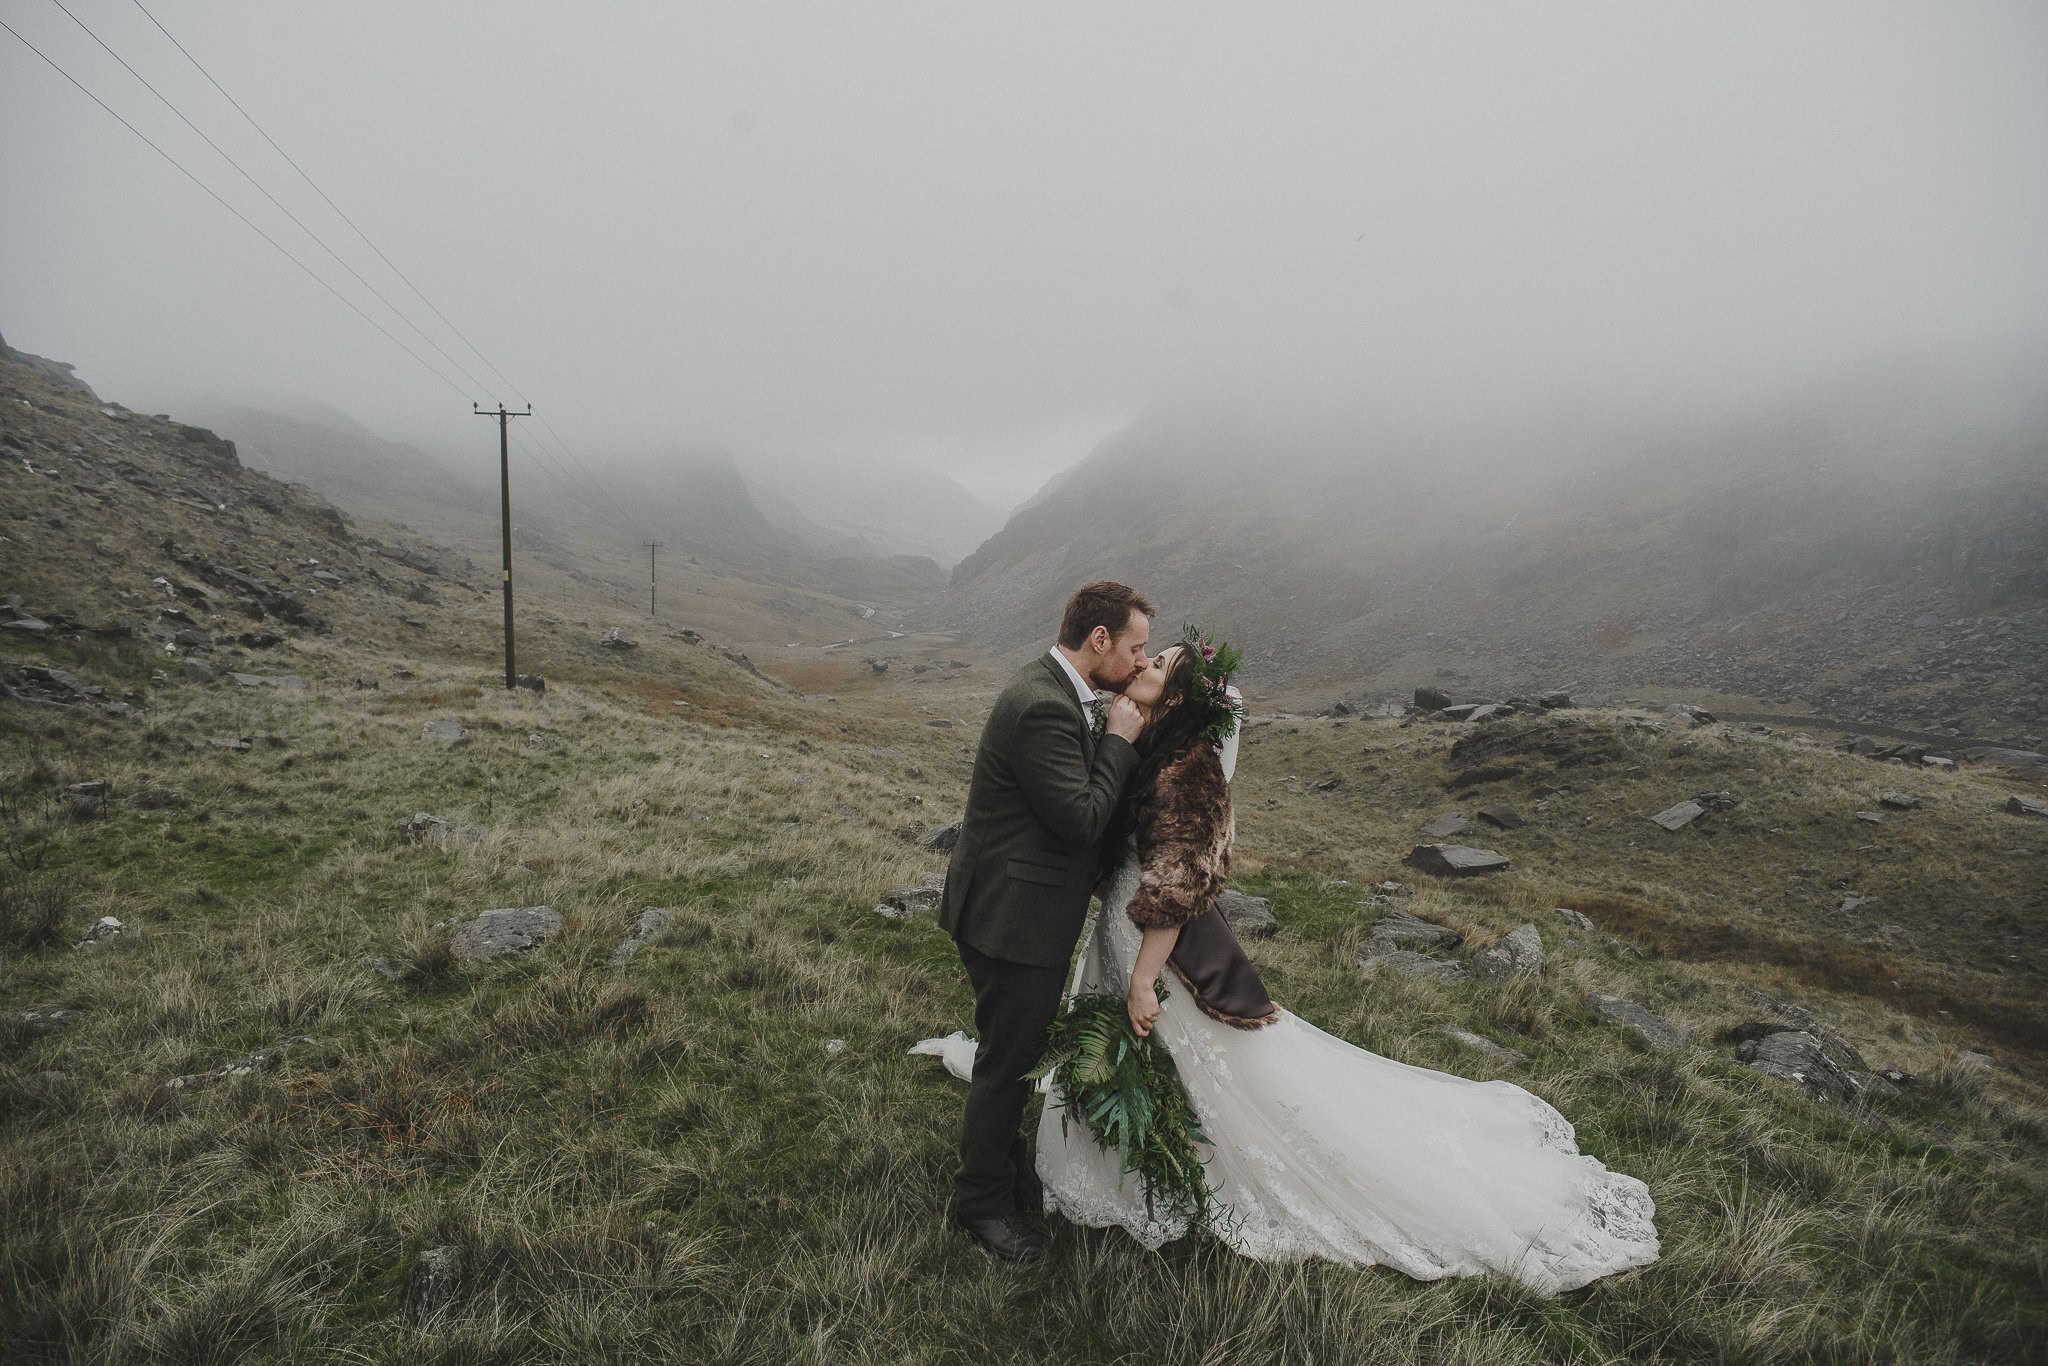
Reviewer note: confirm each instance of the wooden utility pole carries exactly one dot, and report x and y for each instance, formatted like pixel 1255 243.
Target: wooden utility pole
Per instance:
pixel 505 518
pixel 652 546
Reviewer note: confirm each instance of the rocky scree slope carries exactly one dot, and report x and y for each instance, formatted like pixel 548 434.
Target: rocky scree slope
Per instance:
pixel 150 537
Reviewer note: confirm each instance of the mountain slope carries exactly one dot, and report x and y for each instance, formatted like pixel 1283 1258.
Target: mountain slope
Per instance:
pixel 324 449
pixel 144 546
pixel 693 499
pixel 1847 551
pixel 878 510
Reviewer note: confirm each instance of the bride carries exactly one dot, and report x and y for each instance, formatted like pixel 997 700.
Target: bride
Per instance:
pixel 1316 1148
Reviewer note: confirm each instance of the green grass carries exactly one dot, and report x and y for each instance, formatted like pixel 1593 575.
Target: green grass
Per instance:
pixel 662 1161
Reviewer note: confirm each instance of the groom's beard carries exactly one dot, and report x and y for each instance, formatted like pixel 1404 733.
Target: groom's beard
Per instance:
pixel 1106 685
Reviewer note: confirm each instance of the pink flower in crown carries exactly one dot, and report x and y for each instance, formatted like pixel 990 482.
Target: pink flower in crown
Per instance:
pixel 1208 652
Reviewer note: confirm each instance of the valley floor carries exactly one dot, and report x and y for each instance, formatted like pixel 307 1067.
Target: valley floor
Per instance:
pixel 717 1150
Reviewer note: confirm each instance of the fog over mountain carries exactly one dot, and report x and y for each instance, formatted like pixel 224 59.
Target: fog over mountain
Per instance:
pixel 901 265
pixel 1823 547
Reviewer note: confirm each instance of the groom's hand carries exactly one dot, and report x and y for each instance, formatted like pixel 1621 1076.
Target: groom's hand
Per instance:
pixel 1125 720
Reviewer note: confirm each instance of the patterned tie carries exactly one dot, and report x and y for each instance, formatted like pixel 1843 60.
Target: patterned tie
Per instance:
pixel 1098 717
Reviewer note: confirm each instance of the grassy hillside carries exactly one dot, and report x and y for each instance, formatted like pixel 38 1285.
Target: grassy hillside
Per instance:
pixel 717 1150
pixel 672 1157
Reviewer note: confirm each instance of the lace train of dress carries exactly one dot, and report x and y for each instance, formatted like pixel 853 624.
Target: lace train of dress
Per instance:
pixel 1322 1149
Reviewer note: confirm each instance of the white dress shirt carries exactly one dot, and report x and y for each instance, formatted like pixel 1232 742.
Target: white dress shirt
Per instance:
pixel 1085 693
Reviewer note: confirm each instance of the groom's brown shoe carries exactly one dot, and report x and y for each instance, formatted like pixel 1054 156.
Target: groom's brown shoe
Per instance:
pixel 1006 1237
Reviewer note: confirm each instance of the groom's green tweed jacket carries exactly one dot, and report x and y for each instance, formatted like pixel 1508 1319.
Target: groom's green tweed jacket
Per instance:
pixel 1041 798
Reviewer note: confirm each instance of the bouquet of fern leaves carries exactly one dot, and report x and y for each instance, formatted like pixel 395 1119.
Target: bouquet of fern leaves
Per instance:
pixel 1125 1089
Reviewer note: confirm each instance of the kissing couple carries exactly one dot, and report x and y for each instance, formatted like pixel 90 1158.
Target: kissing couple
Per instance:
pixel 1313 1146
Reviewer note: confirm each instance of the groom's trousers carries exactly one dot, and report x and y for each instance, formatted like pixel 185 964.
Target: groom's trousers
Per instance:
pixel 1013 1005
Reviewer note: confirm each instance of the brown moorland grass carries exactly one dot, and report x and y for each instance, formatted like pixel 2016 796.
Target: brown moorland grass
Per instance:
pixel 669 1158
pixel 663 1159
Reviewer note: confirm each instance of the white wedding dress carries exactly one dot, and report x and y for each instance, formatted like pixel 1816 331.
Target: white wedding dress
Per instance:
pixel 1319 1148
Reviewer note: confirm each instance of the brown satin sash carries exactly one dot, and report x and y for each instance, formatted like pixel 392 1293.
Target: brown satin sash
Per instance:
pixel 1212 964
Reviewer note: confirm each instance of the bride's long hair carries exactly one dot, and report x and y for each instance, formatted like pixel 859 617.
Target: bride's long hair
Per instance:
pixel 1175 727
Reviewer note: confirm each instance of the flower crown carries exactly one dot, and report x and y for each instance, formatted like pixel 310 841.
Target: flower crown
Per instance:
pixel 1210 686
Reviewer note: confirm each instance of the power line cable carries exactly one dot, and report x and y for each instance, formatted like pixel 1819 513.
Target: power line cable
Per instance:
pixel 623 519
pixel 561 443
pixel 580 488
pixel 542 461
pixel 569 481
pixel 312 274
pixel 353 226
pixel 527 446
pixel 275 201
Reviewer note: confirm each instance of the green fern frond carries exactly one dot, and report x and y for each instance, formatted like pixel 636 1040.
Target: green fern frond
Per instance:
pixel 1126 1091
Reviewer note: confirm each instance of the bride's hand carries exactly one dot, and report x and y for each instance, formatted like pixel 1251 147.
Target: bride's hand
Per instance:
pixel 1143 1003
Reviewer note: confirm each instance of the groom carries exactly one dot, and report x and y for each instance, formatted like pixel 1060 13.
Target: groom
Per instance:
pixel 1051 765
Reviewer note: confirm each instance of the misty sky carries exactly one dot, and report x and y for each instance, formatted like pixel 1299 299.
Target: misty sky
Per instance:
pixel 988 234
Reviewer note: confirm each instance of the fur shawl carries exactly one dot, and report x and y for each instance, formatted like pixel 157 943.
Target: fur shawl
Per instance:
pixel 1184 829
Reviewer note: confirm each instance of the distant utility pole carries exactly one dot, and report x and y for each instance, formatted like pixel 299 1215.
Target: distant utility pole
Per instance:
pixel 505 519
pixel 652 546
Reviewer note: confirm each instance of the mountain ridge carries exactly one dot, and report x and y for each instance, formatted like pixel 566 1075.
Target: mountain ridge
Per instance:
pixel 1824 549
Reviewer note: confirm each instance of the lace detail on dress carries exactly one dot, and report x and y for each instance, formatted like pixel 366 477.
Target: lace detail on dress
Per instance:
pixel 1554 1131
pixel 1321 1149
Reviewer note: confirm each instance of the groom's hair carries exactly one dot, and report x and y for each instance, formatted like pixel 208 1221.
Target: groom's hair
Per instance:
pixel 1102 603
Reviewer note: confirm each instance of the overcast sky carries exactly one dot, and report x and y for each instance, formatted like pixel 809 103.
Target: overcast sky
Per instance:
pixel 990 233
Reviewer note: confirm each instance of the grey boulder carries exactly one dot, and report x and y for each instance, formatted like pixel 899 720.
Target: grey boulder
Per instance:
pixel 422 828
pixel 1479 1043
pixel 651 921
pixel 87 799
pixel 1249 917
pixel 1445 826
pixel 507 932
pixel 103 929
pixel 1455 860
pixel 1659 1031
pixel 235 1067
pixel 1679 816
pixel 55 680
pixel 1519 951
pixel 1797 1056
pixel 1399 930
pixel 432 1283
pixel 1408 963
pixel 905 902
